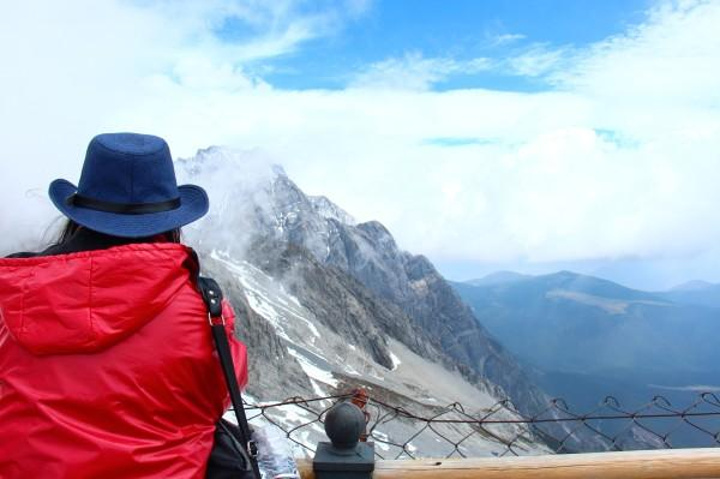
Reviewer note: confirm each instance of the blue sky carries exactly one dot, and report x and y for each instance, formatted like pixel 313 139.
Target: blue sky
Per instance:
pixel 525 135
pixel 462 30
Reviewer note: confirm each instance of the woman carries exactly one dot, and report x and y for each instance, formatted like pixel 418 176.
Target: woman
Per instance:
pixel 107 367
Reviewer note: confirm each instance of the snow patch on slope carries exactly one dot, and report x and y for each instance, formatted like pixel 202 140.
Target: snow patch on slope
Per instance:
pixel 329 210
pixel 269 299
pixel 395 360
pixel 312 370
pixel 329 360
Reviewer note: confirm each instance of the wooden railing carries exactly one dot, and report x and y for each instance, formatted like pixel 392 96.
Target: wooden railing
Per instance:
pixel 675 463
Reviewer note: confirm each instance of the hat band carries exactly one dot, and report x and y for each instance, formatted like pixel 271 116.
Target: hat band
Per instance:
pixel 123 208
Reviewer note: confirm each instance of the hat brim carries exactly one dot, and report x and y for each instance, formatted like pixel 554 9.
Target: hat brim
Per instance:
pixel 194 204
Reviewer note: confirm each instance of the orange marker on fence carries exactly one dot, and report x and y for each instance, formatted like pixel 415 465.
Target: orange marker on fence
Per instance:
pixel 360 399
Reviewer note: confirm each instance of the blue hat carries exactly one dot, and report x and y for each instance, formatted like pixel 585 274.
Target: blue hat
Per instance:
pixel 127 188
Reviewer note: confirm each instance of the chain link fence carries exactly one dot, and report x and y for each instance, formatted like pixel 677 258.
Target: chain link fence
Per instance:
pixel 402 432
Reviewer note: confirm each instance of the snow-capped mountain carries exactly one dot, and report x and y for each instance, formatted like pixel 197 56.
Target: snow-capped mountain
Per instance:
pixel 328 304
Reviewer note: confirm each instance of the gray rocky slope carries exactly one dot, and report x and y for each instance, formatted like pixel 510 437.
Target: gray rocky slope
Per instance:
pixel 328 303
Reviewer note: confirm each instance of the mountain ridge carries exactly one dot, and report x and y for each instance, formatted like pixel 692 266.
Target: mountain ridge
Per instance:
pixel 342 297
pixel 584 337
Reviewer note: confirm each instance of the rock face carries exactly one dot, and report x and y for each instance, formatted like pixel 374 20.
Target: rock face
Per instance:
pixel 343 300
pixel 334 299
pixel 267 352
pixel 415 305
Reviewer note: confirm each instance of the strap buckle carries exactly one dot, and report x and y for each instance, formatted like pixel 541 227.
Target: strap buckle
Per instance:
pixel 211 295
pixel 217 320
pixel 252 449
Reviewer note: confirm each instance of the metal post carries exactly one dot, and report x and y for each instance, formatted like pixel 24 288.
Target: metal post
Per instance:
pixel 344 457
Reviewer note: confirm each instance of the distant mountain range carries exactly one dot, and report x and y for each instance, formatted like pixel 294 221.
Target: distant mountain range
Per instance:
pixel 587 337
pixel 699 293
pixel 571 322
pixel 499 277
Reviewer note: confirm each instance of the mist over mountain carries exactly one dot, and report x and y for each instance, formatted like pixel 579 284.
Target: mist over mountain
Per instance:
pixel 500 277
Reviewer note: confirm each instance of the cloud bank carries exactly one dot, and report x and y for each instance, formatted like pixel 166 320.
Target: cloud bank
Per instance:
pixel 617 157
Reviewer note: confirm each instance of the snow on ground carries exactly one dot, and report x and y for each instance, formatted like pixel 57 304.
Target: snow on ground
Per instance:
pixel 321 352
pixel 352 371
pixel 317 389
pixel 383 439
pixel 269 299
pixel 435 382
pixel 395 360
pixel 312 370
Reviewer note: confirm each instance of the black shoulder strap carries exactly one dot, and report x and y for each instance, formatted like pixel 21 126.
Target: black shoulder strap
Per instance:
pixel 212 296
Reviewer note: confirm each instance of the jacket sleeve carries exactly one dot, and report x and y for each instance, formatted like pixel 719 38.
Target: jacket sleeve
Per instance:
pixel 237 347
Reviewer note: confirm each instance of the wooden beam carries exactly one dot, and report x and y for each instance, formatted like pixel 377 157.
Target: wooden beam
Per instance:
pixel 674 463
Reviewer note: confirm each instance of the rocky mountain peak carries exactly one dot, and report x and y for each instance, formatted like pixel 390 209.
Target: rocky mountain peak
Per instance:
pixel 278 170
pixel 350 279
pixel 378 235
pixel 329 210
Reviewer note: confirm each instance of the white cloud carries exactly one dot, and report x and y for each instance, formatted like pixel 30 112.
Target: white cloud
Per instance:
pixel 537 60
pixel 506 38
pixel 623 161
pixel 414 72
pixel 673 56
pixel 72 69
pixel 266 29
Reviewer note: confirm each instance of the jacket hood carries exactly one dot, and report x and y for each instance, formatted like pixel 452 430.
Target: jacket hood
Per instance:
pixel 87 301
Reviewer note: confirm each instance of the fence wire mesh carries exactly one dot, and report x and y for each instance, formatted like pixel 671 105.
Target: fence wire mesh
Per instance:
pixel 501 430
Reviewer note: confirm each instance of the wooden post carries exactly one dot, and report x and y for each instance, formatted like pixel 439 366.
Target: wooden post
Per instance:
pixel 668 463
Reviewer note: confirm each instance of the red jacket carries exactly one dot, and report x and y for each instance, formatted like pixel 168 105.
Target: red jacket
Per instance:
pixel 107 365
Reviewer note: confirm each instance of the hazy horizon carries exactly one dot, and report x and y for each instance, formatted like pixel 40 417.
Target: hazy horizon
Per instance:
pixel 644 275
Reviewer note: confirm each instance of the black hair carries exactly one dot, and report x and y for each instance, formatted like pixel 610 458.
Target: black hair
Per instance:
pixel 67 232
pixel 71 228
